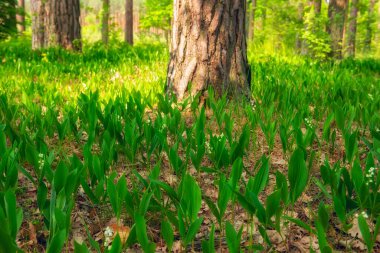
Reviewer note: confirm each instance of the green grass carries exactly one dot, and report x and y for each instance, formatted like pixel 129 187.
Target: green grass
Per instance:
pixel 95 129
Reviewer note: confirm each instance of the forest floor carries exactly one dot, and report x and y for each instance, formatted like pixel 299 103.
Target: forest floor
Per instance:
pixel 76 125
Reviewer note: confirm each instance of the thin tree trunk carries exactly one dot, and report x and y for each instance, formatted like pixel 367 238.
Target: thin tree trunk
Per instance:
pixel 129 22
pixel 21 16
pixel 105 20
pixel 38 14
pixel 336 14
pixel 317 7
pixel 252 17
pixel 351 40
pixel 369 23
pixel 208 47
pixel 300 10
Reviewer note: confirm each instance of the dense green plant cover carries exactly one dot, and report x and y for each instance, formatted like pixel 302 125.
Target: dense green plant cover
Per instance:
pixel 97 126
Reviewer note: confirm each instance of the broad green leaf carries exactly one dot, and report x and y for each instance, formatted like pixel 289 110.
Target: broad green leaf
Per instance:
pixel 261 179
pixel 365 232
pixel 297 174
pixel 193 230
pixel 167 233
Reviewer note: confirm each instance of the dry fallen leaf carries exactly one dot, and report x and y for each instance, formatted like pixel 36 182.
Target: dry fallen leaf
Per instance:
pixel 122 230
pixel 32 233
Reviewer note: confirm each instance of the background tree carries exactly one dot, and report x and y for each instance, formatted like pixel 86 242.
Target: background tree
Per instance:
pixel 21 16
pixel 56 22
pixel 105 20
pixel 351 40
pixel 252 17
pixel 7 18
pixel 208 47
pixel 128 36
pixel 369 26
pixel 336 14
pixel 158 14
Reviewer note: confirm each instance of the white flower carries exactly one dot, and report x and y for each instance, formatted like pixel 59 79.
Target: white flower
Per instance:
pixel 84 86
pixel 208 148
pixel 364 214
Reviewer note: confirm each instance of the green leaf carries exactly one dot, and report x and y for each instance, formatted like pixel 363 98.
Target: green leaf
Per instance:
pixel 191 196
pixel 233 238
pixel 142 235
pixel 365 232
pixel 357 176
pixel 167 233
pixel 145 201
pixel 57 242
pixel 193 230
pixel 80 248
pixel 113 196
pixel 60 177
pixel 261 179
pixel 339 208
pixel 273 204
pixel 208 246
pixel 300 223
pixel 237 170
pixel 10 207
pixel 323 216
pixel 212 207
pixel 239 148
pixel 297 174
pixel 116 245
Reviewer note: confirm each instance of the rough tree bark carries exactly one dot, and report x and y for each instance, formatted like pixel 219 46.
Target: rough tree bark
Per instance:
pixel 336 14
pixel 38 13
pixel 128 35
pixel 105 19
pixel 369 23
pixel 21 16
pixel 63 24
pixel 56 22
pixel 252 17
pixel 208 47
pixel 351 40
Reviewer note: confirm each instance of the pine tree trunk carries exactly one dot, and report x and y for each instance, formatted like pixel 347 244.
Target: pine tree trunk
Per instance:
pixel 38 14
pixel 336 14
pixel 369 23
pixel 208 48
pixel 105 20
pixel 129 22
pixel 351 40
pixel 252 17
pixel 21 16
pixel 63 26
pixel 56 23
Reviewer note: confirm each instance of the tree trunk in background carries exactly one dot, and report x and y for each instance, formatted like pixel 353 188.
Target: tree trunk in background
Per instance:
pixel 317 7
pixel 300 10
pixel 129 22
pixel 63 26
pixel 56 22
pixel 38 14
pixel 21 16
pixel 369 23
pixel 336 14
pixel 351 40
pixel 105 20
pixel 208 47
pixel 252 16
